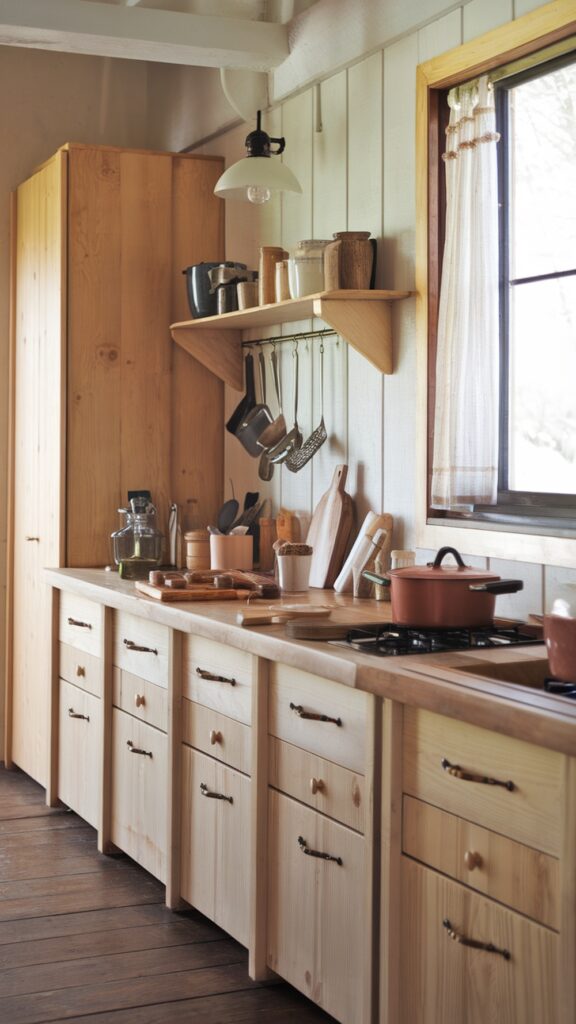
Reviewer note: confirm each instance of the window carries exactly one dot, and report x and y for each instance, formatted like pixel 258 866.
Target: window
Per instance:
pixel 535 517
pixel 536 117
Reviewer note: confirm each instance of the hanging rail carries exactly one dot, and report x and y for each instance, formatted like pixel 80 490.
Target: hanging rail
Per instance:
pixel 301 336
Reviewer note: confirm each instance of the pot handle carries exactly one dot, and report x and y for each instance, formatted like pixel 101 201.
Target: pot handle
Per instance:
pixel 498 586
pixel 448 551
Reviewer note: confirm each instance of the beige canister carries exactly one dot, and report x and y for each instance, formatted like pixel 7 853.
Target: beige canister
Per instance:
pixel 197 550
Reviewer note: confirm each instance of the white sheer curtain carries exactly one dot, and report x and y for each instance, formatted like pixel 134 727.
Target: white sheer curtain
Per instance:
pixel 465 466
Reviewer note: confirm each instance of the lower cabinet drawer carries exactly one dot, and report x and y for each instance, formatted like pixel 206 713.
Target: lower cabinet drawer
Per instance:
pixel 517 875
pixel 216 735
pixel 139 792
pixel 319 928
pixel 321 784
pixel 142 647
pixel 445 979
pixel 218 677
pixel 320 716
pixel 81 623
pixel 504 784
pixel 80 752
pixel 215 866
pixel 141 699
pixel 81 669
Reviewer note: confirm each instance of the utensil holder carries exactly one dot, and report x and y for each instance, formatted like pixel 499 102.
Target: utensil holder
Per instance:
pixel 229 551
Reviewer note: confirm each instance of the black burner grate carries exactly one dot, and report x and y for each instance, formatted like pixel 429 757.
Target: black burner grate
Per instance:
pixel 558 686
pixel 389 639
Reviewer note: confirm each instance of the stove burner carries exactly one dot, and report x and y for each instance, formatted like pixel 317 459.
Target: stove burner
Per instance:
pixel 558 686
pixel 391 640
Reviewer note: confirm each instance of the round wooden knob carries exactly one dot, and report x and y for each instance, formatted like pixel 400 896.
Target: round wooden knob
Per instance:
pixel 316 786
pixel 80 670
pixel 215 736
pixel 472 860
pixel 139 700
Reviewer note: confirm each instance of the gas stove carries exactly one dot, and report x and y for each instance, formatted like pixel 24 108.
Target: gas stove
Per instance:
pixel 559 687
pixel 390 640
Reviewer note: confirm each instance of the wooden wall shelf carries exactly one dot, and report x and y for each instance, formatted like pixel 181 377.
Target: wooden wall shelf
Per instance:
pixel 362 318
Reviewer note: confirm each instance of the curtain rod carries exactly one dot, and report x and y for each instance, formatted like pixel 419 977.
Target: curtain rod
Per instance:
pixel 282 338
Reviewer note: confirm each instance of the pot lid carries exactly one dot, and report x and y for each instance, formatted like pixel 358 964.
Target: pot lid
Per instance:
pixel 437 571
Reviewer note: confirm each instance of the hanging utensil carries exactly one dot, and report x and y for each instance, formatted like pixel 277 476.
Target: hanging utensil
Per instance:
pixel 298 458
pixel 277 429
pixel 248 401
pixel 257 419
pixel 293 439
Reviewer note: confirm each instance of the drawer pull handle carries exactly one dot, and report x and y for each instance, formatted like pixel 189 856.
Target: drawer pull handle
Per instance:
pixel 316 786
pixel 488 947
pixel 138 750
pixel 205 674
pixel 215 736
pixel 316 853
pixel 139 700
pixel 76 714
pixel 136 647
pixel 37 539
pixel 472 860
pixel 77 622
pixel 214 796
pixel 487 780
pixel 80 670
pixel 313 715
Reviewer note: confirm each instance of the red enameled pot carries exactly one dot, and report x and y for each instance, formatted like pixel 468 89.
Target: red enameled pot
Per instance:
pixel 446 596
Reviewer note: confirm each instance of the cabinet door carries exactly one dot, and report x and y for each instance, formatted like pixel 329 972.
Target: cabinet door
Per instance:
pixel 36 475
pixel 80 752
pixel 445 980
pixel 319 936
pixel 139 792
pixel 215 842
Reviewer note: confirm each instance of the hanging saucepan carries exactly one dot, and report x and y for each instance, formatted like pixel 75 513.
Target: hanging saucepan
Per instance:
pixel 247 402
pixel 444 596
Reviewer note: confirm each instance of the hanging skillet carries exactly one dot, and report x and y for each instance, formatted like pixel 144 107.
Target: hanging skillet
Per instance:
pixel 248 401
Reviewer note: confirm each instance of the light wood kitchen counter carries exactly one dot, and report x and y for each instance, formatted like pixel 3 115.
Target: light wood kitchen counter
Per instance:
pixel 495 689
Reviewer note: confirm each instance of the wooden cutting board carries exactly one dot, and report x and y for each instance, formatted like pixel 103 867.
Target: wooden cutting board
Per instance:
pixel 190 593
pixel 329 531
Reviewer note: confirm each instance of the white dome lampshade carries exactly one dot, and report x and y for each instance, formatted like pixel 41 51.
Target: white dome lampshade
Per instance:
pixel 256 176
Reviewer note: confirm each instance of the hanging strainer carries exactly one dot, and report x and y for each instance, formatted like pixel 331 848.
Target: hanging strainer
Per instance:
pixel 298 458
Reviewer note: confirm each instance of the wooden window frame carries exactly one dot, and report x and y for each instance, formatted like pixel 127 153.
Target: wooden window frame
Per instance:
pixel 544 27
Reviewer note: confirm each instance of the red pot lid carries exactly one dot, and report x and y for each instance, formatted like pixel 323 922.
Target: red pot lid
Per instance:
pixel 436 570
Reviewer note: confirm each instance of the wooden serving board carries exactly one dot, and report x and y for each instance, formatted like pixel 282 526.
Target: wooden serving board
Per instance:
pixel 266 616
pixel 329 531
pixel 189 593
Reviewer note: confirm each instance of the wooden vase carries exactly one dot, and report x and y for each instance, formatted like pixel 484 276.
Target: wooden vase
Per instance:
pixel 357 259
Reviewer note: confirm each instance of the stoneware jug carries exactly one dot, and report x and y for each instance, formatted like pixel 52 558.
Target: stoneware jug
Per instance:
pixel 357 259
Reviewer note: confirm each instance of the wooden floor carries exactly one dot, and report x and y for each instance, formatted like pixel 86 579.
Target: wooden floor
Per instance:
pixel 85 937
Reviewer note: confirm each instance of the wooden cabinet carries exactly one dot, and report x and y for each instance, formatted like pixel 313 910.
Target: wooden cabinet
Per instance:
pixel 80 715
pixel 321 882
pixel 216 845
pixel 481 867
pixel 468 960
pixel 102 402
pixel 139 821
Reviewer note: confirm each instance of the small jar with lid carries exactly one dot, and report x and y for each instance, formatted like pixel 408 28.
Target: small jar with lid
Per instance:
pixel 306 267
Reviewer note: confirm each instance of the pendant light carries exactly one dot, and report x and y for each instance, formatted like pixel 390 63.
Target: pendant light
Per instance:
pixel 257 176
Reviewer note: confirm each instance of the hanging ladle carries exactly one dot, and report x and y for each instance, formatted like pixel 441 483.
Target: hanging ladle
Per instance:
pixel 293 439
pixel 298 458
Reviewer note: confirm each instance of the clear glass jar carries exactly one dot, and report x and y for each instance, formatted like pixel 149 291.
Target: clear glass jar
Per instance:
pixel 306 267
pixel 137 547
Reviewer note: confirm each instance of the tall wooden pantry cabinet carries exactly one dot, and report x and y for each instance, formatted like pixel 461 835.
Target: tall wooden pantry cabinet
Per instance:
pixel 102 400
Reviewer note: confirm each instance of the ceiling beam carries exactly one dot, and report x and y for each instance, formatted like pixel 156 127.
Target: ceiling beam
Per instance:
pixel 139 33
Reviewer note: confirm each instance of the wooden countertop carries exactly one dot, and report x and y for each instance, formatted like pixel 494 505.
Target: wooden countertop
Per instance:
pixel 496 689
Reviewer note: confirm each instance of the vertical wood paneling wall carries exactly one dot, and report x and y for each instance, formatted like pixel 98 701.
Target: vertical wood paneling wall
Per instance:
pixel 358 173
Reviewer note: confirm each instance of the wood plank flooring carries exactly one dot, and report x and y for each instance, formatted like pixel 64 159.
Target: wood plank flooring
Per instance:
pixel 87 938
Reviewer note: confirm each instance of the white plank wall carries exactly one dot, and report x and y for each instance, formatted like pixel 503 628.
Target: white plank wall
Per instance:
pixel 357 173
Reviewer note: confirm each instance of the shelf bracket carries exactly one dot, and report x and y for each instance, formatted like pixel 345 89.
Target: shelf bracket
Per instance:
pixel 369 323
pixel 220 351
